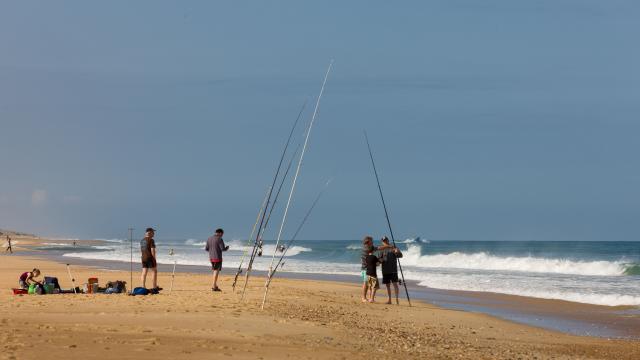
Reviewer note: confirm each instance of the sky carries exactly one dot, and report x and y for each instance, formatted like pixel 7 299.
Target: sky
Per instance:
pixel 491 120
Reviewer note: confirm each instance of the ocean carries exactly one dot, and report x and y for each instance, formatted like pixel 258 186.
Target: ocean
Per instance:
pixel 591 272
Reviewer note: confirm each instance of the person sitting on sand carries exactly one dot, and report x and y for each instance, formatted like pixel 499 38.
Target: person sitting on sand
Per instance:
pixel 390 256
pixel 9 249
pixel 28 278
pixel 372 262
pixel 148 250
pixel 215 246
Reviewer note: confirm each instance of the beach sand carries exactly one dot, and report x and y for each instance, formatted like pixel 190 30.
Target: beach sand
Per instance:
pixel 303 319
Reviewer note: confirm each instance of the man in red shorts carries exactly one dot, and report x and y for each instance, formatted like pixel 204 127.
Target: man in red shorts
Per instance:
pixel 215 246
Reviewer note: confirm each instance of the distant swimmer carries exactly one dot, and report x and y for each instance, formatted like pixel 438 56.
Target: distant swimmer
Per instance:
pixel 9 248
pixel 148 258
pixel 390 256
pixel 215 246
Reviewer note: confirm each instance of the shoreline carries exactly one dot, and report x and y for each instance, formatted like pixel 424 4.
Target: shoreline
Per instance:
pixel 621 322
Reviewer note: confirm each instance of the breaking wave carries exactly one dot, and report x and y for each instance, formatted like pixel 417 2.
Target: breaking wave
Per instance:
pixel 529 264
pixel 195 242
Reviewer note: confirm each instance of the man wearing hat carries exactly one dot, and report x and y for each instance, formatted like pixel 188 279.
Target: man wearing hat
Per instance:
pixel 148 250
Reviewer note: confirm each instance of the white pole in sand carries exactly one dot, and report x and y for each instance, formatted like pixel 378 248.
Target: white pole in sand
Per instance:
pixel 131 271
pixel 173 274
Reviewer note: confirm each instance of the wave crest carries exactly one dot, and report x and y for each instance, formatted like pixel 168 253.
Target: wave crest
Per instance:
pixel 529 264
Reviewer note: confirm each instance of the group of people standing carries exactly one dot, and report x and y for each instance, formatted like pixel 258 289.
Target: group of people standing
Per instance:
pixel 215 246
pixel 385 255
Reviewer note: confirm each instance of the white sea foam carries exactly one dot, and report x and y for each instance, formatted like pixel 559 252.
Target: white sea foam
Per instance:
pixel 104 247
pixel 113 240
pixel 195 242
pixel 485 261
pixel 354 247
pixel 267 249
pixel 539 287
pixel 62 239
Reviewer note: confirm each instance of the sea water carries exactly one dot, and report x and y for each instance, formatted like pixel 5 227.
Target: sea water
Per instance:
pixel 593 272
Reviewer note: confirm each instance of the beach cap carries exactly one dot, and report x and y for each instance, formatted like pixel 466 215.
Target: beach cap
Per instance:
pixel 385 239
pixel 150 229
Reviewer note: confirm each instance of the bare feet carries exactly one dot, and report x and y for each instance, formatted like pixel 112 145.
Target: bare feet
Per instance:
pixel 371 301
pixel 388 302
pixel 364 300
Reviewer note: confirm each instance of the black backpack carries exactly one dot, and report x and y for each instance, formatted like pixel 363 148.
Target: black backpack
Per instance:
pixel 116 287
pixel 53 281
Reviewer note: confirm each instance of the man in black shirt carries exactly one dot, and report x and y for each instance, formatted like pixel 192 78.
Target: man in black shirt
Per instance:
pixel 148 258
pixel 390 256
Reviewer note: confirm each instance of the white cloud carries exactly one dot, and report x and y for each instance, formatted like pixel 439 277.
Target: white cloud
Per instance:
pixel 38 197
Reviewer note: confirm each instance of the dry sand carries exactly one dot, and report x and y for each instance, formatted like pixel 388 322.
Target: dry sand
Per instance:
pixel 303 320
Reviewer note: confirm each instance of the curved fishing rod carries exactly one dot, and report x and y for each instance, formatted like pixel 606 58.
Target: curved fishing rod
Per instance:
pixel 275 199
pixel 246 248
pixel 272 273
pixel 295 178
pixel 258 241
pixel 386 213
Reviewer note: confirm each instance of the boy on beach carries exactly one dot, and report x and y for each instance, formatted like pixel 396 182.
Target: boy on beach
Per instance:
pixel 28 278
pixel 367 246
pixel 215 246
pixel 148 250
pixel 372 263
pixel 390 256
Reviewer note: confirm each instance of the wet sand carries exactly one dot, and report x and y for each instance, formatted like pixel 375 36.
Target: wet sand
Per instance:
pixel 303 319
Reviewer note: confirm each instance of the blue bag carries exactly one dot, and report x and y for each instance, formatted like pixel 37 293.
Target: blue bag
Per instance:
pixel 140 291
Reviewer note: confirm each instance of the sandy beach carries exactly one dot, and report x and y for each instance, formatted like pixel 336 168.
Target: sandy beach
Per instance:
pixel 303 319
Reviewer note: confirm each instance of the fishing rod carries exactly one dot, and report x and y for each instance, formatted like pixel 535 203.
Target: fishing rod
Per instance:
pixel 258 240
pixel 280 262
pixel 386 213
pixel 295 178
pixel 275 200
pixel 263 208
pixel 246 249
pixel 173 273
